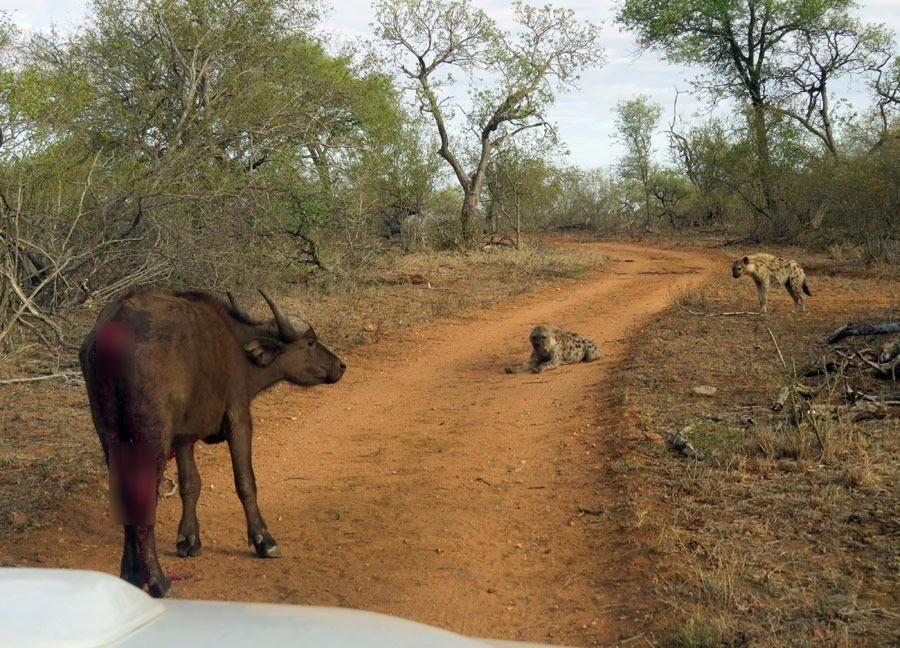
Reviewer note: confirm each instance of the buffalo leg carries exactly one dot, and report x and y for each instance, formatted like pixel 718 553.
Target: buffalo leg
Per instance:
pixel 239 444
pixel 188 542
pixel 130 568
pixel 135 472
pixel 145 534
pixel 140 565
pixel 151 571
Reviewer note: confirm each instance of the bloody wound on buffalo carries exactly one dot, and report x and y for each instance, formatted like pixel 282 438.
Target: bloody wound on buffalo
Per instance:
pixel 164 370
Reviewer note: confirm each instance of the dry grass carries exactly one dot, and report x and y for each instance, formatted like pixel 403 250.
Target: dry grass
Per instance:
pixel 780 536
pixel 48 447
pixel 361 307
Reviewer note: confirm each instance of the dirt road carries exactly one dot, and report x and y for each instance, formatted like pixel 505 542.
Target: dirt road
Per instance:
pixel 428 483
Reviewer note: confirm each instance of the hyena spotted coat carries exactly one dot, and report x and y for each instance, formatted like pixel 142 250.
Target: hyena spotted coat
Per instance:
pixel 552 347
pixel 766 270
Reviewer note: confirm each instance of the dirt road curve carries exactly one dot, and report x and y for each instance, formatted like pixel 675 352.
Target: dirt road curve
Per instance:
pixel 428 483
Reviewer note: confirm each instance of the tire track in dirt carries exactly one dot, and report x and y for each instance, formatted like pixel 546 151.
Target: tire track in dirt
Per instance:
pixel 429 484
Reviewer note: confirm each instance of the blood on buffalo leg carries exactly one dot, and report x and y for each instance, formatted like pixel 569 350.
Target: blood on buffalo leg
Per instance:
pixel 135 468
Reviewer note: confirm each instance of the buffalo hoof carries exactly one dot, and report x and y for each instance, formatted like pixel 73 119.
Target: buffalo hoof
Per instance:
pixel 265 545
pixel 159 587
pixel 189 546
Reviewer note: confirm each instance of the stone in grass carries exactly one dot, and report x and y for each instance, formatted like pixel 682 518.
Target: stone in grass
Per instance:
pixel 680 444
pixel 704 390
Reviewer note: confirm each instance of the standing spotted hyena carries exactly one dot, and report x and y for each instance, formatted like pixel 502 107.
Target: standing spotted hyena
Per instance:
pixel 766 269
pixel 552 347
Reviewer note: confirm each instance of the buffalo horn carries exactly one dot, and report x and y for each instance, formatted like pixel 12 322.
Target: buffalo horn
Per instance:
pixel 238 313
pixel 287 331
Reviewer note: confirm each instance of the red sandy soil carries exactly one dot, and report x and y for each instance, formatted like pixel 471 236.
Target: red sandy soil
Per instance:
pixel 429 484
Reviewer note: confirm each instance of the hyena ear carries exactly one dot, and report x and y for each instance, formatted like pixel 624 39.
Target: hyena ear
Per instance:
pixel 263 351
pixel 745 260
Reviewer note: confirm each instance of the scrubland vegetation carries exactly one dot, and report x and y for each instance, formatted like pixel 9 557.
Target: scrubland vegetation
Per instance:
pixel 783 531
pixel 219 144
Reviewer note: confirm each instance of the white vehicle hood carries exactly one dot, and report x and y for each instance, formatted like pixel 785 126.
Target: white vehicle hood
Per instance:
pixel 67 608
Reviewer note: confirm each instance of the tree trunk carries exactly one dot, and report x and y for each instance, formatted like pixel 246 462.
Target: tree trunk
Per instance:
pixel 518 220
pixel 761 141
pixel 467 218
pixel 648 219
pixel 825 113
pixel 490 216
pixel 469 212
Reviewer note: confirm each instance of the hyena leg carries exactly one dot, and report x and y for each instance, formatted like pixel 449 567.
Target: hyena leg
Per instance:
pixel 763 290
pixel 533 361
pixel 795 288
pixel 591 353
pixel 525 366
pixel 551 363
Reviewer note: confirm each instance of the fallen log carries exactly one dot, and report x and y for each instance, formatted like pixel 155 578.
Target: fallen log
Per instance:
pixel 495 241
pixel 864 410
pixel 827 367
pixel 889 351
pixel 884 369
pixel 783 394
pixel 850 329
pixel 889 369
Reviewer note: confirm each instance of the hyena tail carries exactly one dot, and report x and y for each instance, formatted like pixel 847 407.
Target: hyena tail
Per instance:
pixel 806 287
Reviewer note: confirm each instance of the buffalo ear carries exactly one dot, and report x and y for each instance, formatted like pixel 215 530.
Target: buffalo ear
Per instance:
pixel 263 351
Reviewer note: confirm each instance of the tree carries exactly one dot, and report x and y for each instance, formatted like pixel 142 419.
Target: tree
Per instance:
pixel 672 190
pixel 521 188
pixel 193 142
pixel 886 85
pixel 739 41
pixel 8 36
pixel 586 199
pixel 816 56
pixel 431 38
pixel 636 121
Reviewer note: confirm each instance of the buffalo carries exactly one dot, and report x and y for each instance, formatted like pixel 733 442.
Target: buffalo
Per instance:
pixel 164 370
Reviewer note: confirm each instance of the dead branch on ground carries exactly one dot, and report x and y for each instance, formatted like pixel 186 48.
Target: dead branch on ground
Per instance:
pixel 68 376
pixel 719 314
pixel 496 241
pixel 850 329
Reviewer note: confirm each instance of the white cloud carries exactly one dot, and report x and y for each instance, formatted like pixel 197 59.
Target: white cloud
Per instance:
pixel 584 117
pixel 42 14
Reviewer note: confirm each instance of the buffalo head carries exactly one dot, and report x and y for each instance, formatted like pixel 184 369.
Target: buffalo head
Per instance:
pixel 293 348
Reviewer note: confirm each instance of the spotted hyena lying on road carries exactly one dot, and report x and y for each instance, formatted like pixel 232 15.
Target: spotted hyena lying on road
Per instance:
pixel 766 270
pixel 552 347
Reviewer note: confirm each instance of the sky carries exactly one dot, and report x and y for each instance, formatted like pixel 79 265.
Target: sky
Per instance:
pixel 585 117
